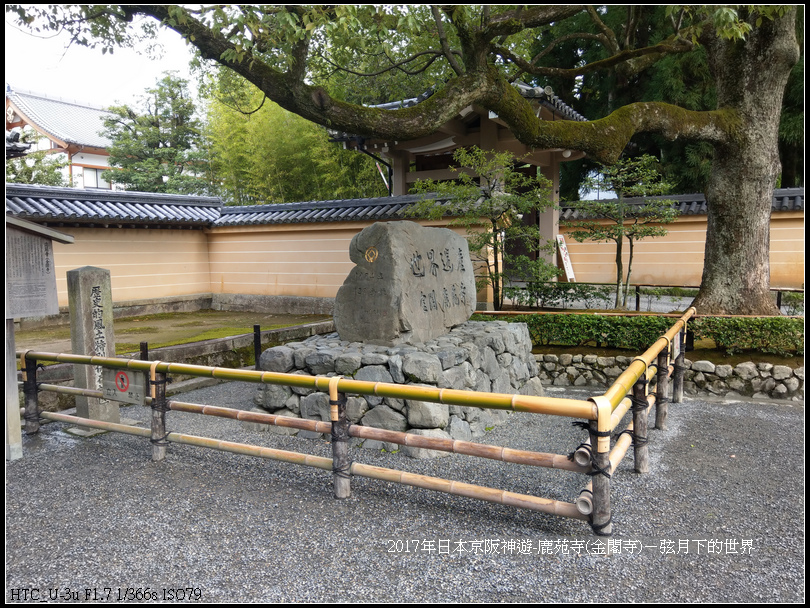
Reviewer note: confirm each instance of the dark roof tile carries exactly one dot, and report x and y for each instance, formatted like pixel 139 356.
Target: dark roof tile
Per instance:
pixel 784 199
pixel 75 206
pixel 45 203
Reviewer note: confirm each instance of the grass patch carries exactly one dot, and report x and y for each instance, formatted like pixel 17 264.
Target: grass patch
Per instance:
pixel 137 330
pixel 211 334
pixel 158 316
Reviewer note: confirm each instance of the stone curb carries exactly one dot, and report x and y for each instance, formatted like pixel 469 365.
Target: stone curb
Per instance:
pixel 702 378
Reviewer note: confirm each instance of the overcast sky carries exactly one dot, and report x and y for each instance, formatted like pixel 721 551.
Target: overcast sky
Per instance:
pixel 43 65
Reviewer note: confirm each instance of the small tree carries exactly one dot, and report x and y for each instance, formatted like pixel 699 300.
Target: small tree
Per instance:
pixel 158 147
pixel 615 220
pixel 490 198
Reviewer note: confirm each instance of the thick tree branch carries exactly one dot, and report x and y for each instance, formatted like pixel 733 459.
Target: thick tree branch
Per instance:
pixel 667 47
pixel 605 139
pixel 512 22
pixel 437 18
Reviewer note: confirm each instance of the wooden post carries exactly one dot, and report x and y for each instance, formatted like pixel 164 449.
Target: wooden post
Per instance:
pixel 341 462
pixel 144 351
pixel 662 389
pixel 257 345
pixel 638 298
pixel 680 369
pixel 640 452
pixel 30 391
pixel 159 409
pixel 600 440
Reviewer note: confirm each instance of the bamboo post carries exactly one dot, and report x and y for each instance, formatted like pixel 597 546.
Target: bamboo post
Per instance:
pixel 640 452
pixel 600 438
pixel 584 501
pixel 257 346
pixel 662 389
pixel 341 462
pixel 159 409
pixel 30 391
pixel 680 369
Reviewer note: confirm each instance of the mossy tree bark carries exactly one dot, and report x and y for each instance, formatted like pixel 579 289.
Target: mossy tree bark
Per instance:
pixel 751 76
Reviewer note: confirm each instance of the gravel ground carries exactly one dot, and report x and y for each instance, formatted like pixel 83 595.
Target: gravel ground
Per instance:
pixel 718 519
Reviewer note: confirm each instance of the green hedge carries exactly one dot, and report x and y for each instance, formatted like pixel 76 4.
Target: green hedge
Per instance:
pixel 778 335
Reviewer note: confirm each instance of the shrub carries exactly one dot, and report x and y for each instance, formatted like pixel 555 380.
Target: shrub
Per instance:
pixel 540 294
pixel 776 335
pixel 631 332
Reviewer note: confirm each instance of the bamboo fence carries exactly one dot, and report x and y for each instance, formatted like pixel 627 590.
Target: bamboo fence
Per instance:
pixel 602 415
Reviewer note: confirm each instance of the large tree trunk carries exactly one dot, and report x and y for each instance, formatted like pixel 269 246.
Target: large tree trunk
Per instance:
pixel 751 76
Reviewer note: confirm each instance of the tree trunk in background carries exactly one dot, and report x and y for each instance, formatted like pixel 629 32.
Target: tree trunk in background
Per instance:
pixel 751 76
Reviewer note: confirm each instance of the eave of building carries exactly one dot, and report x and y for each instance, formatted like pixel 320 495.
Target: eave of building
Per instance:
pixel 39 230
pixel 74 207
pixel 461 134
pixel 46 116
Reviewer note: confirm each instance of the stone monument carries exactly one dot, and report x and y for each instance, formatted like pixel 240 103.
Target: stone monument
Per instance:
pixel 91 333
pixel 402 317
pixel 411 284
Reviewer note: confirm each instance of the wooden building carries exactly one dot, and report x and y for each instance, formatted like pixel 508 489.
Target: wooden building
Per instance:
pixel 64 127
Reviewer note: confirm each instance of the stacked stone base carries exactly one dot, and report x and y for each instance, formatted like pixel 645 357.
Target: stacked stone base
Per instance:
pixel 755 380
pixel 492 356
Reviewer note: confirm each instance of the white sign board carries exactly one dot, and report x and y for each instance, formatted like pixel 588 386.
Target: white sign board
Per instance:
pixel 566 260
pixel 124 385
pixel 676 345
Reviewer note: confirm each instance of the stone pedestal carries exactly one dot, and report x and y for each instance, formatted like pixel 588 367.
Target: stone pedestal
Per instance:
pixel 492 356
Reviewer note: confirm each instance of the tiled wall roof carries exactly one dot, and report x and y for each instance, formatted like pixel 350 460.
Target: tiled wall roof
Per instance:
pixel 784 199
pixel 77 206
pixel 99 207
pixel 347 210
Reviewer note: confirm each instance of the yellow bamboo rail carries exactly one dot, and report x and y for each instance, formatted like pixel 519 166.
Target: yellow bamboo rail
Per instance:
pixel 534 503
pixel 455 446
pixel 624 383
pixel 519 403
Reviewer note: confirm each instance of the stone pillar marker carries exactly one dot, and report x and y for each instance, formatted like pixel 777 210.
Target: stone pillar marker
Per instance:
pixel 91 333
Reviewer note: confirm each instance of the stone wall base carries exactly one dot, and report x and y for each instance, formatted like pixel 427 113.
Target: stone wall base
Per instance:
pixel 492 356
pixel 756 380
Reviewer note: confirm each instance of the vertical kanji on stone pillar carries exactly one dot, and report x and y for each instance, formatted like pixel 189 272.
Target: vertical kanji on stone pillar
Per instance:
pixel 91 333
